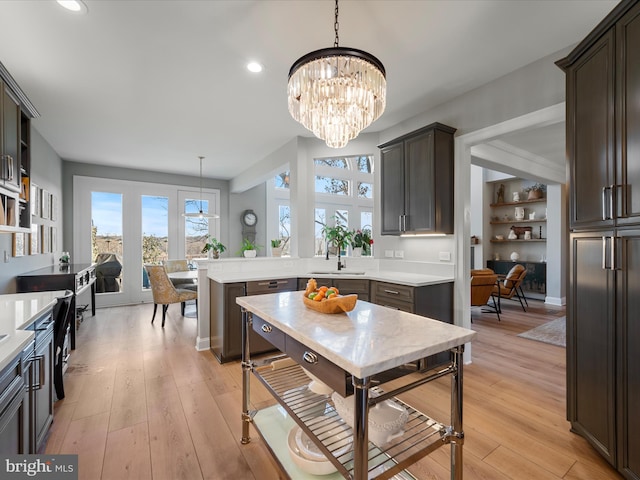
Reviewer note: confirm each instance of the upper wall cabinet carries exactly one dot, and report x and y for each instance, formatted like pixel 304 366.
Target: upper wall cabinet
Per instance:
pixel 603 125
pixel 417 182
pixel 15 114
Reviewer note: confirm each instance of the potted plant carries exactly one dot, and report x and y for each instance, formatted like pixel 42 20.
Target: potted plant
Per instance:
pixel 213 248
pixel 249 249
pixel 338 236
pixel 361 242
pixel 536 191
pixel 276 247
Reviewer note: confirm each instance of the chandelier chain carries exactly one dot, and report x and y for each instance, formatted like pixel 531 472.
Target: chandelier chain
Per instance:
pixel 336 26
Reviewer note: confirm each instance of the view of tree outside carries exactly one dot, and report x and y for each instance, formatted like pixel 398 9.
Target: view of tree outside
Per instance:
pixel 282 180
pixel 344 190
pixel 196 229
pixel 284 219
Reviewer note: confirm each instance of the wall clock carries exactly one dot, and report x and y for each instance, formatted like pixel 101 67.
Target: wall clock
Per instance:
pixel 249 219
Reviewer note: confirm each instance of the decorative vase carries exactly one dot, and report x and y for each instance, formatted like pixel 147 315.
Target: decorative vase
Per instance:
pixel 515 256
pixel 512 235
pixel 250 253
pixel 276 251
pixel 519 213
pixel 357 251
pixel 516 196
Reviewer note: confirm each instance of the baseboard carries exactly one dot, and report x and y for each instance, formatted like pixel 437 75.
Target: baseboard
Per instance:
pixel 558 301
pixel 202 344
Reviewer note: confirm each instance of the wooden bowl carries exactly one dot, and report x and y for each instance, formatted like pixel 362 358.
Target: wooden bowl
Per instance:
pixel 344 303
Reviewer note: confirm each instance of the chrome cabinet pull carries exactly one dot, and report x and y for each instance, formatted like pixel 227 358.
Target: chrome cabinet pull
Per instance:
pixel 612 198
pixel 310 357
pixel 391 292
pixel 604 253
pixel 400 222
pixel 41 372
pixel 604 202
pixel 266 328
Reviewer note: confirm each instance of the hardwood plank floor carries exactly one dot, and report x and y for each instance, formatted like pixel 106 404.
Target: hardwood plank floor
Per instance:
pixel 142 403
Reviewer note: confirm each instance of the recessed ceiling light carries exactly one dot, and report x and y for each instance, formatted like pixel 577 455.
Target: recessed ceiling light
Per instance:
pixel 254 67
pixel 75 6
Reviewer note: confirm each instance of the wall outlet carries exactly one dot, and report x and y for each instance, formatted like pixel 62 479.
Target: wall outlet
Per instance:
pixel 445 256
pixel 388 253
pixel 399 253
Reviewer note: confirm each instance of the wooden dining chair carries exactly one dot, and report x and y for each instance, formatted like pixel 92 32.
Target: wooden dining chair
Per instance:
pixel 165 293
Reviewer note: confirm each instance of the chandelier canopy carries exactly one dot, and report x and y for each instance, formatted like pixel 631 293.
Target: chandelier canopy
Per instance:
pixel 200 213
pixel 337 92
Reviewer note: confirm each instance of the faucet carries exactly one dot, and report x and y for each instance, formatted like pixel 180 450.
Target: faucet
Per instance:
pixel 341 265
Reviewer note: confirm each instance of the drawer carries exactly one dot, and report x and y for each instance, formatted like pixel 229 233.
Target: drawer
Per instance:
pixel 395 304
pixel 270 333
pixel 331 374
pixel 383 291
pixel 348 286
pixel 272 286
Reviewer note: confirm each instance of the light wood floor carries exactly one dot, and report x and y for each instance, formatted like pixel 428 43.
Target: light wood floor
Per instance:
pixel 143 403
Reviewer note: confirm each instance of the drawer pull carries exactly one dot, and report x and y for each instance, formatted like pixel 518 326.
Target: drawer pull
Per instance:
pixel 310 357
pixel 392 292
pixel 266 328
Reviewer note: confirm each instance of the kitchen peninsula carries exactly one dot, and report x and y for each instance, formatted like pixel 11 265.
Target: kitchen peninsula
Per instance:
pixel 347 351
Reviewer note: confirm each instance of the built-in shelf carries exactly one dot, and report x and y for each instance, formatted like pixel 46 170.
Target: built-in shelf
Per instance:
pixel 509 222
pixel 518 240
pixel 523 202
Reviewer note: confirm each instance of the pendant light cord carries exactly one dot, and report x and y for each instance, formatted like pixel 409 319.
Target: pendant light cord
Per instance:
pixel 336 25
pixel 200 183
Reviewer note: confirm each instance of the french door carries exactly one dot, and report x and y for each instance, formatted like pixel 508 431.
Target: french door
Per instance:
pixel 121 225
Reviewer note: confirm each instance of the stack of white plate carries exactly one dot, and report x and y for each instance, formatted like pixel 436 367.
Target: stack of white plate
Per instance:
pixel 308 457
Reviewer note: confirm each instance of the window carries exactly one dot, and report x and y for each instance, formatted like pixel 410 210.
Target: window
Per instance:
pixel 344 194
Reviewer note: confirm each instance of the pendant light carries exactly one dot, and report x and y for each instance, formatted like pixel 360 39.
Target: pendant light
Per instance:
pixel 337 92
pixel 200 214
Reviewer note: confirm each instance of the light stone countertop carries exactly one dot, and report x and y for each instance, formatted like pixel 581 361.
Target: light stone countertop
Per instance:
pixel 273 271
pixel 368 340
pixel 17 312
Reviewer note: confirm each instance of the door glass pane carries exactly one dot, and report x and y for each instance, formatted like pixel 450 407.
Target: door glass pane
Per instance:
pixel 155 232
pixel 342 218
pixel 106 240
pixel 196 229
pixel 366 225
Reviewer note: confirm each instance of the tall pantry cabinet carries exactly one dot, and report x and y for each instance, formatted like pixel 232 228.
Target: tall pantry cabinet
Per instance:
pixel 603 309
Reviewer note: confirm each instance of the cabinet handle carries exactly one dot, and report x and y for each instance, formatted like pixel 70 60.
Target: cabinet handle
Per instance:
pixel 4 167
pixel 11 168
pixel 612 198
pixel 41 372
pixel 266 328
pixel 604 202
pixel 310 357
pixel 391 292
pixel 400 222
pixel 404 223
pixel 614 241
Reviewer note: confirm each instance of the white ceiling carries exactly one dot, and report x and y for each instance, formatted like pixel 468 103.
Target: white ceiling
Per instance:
pixel 153 84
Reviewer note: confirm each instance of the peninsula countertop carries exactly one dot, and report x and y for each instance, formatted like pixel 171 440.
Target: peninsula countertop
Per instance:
pixel 258 269
pixel 17 312
pixel 368 340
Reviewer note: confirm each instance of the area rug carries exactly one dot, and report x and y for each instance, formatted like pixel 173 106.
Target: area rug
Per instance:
pixel 553 332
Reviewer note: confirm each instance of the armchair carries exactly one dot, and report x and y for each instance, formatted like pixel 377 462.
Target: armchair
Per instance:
pixel 165 293
pixel 482 284
pixel 512 286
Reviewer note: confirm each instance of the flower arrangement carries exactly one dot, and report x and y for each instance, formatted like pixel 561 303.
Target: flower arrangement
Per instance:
pixel 536 191
pixel 362 239
pixel 214 246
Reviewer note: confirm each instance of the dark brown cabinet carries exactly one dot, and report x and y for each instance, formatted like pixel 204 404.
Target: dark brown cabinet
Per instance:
pixel 14 409
pixel 225 320
pixel 603 142
pixel 417 182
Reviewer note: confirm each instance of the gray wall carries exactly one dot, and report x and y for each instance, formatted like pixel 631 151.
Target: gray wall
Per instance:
pixel 253 199
pixel 46 171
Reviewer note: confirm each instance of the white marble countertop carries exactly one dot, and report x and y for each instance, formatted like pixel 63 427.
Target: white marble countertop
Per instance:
pixel 368 340
pixel 268 269
pixel 17 312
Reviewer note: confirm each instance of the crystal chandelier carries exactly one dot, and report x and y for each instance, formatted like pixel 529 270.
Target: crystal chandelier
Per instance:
pixel 200 213
pixel 337 92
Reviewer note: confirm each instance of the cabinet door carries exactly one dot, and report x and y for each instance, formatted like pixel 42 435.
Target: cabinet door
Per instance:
pixel 43 397
pixel 420 183
pixel 591 342
pixel 628 348
pixel 349 286
pixel 628 117
pixel 590 137
pixel 10 142
pixel 392 188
